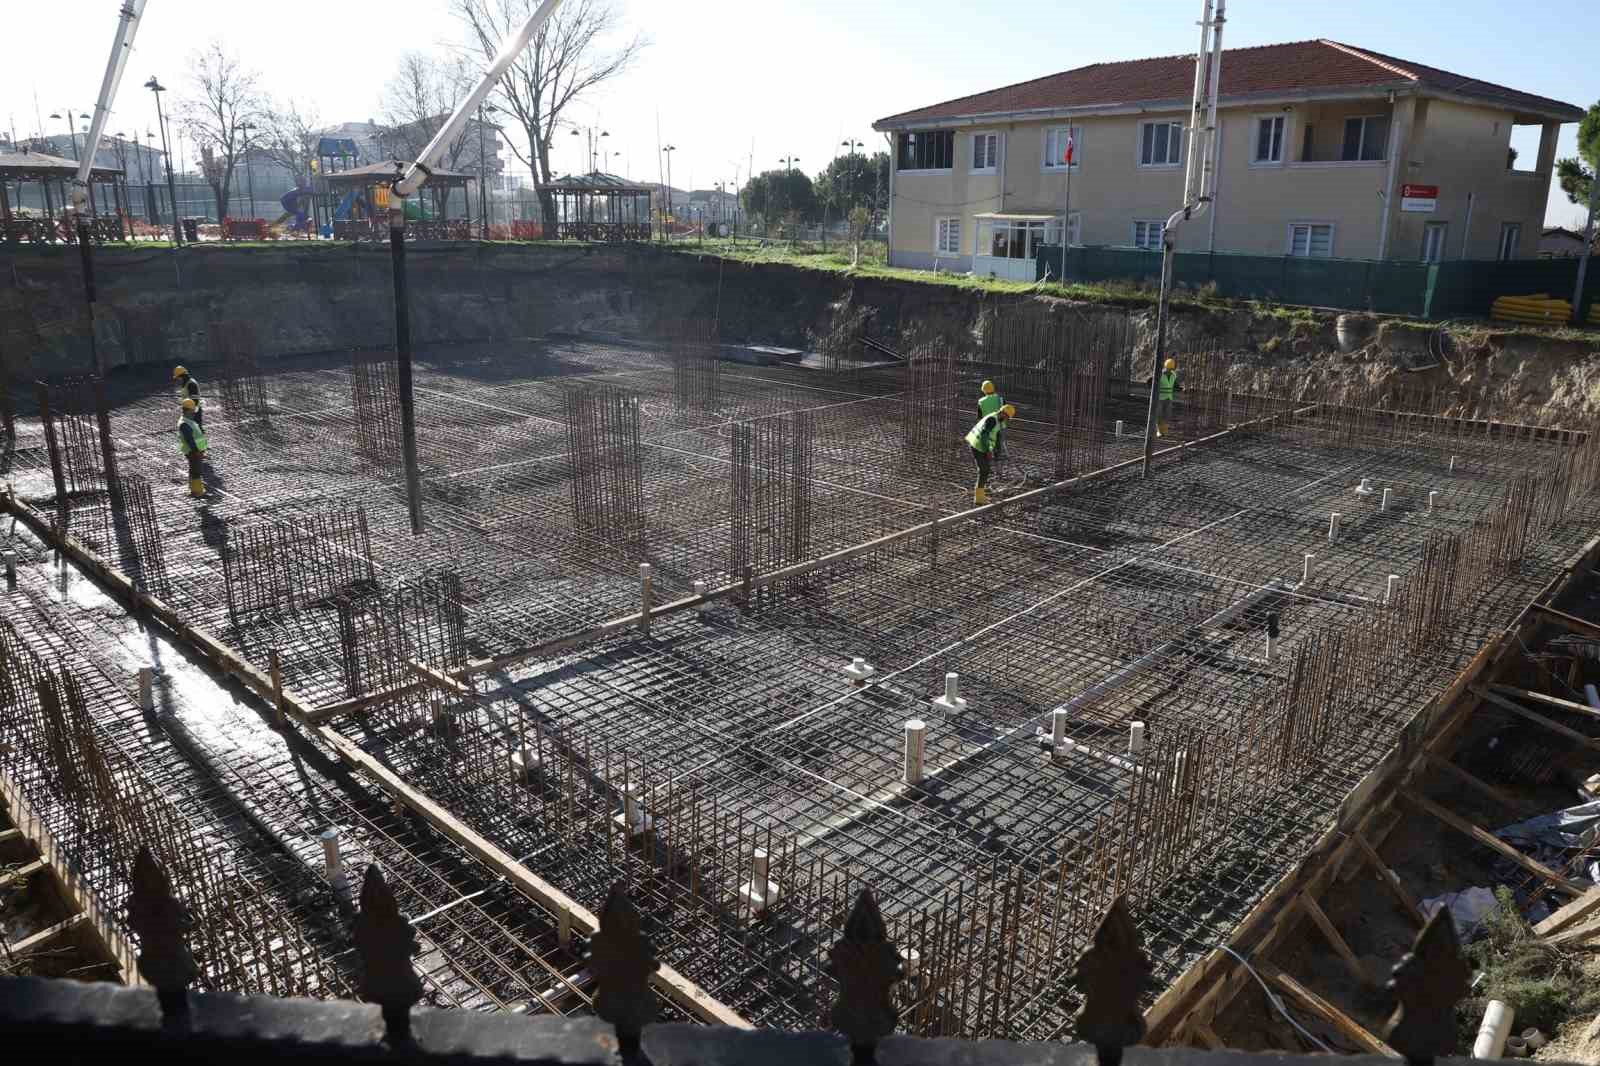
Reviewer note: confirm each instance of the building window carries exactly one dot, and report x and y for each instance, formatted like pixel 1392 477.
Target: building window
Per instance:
pixel 1012 238
pixel 1052 230
pixel 985 153
pixel 1160 144
pixel 926 150
pixel 1307 144
pixel 1269 139
pixel 1433 241
pixel 1147 234
pixel 1311 239
pixel 947 236
pixel 1510 237
pixel 1366 138
pixel 1055 146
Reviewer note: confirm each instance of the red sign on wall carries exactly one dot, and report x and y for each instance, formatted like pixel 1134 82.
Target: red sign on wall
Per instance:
pixel 1424 198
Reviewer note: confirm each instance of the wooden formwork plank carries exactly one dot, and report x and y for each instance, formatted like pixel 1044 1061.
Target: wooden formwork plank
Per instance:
pixel 1407 901
pixel 1490 841
pixel 1473 781
pixel 1331 934
pixel 1549 701
pixel 1335 1017
pixel 1540 720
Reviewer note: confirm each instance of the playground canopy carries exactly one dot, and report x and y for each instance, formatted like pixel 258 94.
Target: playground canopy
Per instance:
pixel 54 176
pixel 601 207
pixel 362 194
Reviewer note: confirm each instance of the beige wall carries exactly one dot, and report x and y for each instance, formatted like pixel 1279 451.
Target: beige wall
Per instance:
pixel 1460 148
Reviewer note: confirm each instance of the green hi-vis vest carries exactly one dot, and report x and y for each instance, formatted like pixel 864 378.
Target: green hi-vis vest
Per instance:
pixel 988 405
pixel 1168 382
pixel 981 439
pixel 194 428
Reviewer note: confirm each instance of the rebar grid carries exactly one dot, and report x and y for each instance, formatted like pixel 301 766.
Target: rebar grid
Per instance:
pixel 735 729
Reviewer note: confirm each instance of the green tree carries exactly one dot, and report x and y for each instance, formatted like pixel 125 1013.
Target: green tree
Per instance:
pixel 854 180
pixel 779 194
pixel 1574 175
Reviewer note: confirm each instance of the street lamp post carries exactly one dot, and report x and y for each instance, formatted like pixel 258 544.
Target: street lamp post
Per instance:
pixel 249 175
pixel 667 151
pixel 72 131
pixel 172 188
pixel 788 162
pixel 851 147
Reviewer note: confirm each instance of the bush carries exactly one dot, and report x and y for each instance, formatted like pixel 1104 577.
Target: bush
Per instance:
pixel 1542 984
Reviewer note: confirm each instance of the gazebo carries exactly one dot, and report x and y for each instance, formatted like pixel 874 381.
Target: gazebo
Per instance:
pixel 601 207
pixel 360 201
pixel 52 174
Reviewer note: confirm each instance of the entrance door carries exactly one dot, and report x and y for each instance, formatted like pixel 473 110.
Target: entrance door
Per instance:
pixel 1433 241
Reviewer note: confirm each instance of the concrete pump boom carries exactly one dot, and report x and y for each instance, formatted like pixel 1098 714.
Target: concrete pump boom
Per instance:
pixel 121 47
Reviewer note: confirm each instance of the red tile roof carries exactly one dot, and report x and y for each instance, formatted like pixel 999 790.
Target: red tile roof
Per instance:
pixel 1298 67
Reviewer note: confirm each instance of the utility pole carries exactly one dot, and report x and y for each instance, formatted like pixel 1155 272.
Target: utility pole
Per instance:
pixel 851 147
pixel 1588 241
pixel 1198 185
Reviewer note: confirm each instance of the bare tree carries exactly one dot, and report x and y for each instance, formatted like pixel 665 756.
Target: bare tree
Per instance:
pixel 419 100
pixel 567 58
pixel 290 138
pixel 223 96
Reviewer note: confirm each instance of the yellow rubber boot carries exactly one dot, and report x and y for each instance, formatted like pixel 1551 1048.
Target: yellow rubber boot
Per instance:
pixel 1161 429
pixel 197 487
pixel 979 496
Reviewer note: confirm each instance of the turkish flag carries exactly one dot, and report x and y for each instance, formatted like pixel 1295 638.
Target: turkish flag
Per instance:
pixel 1066 155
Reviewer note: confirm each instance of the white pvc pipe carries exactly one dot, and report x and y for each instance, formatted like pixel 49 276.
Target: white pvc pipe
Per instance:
pixel 1433 500
pixel 952 688
pixel 1333 527
pixel 1496 1025
pixel 1391 588
pixel 1119 427
pixel 330 854
pixel 1135 737
pixel 1271 643
pixel 1388 495
pixel 1592 694
pixel 644 597
pixel 147 696
pixel 700 590
pixel 758 869
pixel 1452 464
pixel 1366 486
pixel 1058 726
pixel 916 732
pixel 1305 572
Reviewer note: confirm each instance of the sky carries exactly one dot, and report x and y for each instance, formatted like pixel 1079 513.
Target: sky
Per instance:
pixel 731 85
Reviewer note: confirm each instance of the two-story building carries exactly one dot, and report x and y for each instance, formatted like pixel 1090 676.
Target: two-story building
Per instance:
pixel 1325 150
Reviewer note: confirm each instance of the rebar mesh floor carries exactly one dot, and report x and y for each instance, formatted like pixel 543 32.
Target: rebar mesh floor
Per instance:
pixel 734 729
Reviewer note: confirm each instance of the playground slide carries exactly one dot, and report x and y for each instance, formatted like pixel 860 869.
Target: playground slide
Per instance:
pixel 342 212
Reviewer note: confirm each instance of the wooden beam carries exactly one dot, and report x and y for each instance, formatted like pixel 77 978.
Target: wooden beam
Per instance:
pixel 1538 719
pixel 8 835
pixel 1352 1029
pixel 1569 621
pixel 1207 1036
pixel 1402 895
pixel 47 936
pixel 21 873
pixel 1489 840
pixel 329 711
pixel 1320 919
pixel 1473 781
pixel 76 893
pixel 1549 701
pixel 1573 913
pixel 678 988
pixel 444 683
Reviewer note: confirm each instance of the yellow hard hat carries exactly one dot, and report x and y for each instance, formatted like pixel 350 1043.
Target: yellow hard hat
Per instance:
pixel 988 388
pixel 179 371
pixel 1009 411
pixel 190 407
pixel 1170 364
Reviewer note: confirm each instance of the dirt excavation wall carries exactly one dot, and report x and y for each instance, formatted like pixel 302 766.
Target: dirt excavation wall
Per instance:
pixel 156 307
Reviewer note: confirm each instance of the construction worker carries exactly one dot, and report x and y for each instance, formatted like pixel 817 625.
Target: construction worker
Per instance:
pixel 192 439
pixel 990 401
pixel 189 389
pixel 1165 387
pixel 983 437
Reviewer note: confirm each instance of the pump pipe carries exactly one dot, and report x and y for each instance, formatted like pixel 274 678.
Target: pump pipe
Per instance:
pixel 407 183
pixel 1199 188
pixel 121 47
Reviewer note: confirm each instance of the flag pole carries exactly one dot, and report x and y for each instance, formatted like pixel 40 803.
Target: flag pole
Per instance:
pixel 1066 210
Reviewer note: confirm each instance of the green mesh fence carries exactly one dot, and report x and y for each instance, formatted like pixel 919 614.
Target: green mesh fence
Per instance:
pixel 1425 290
